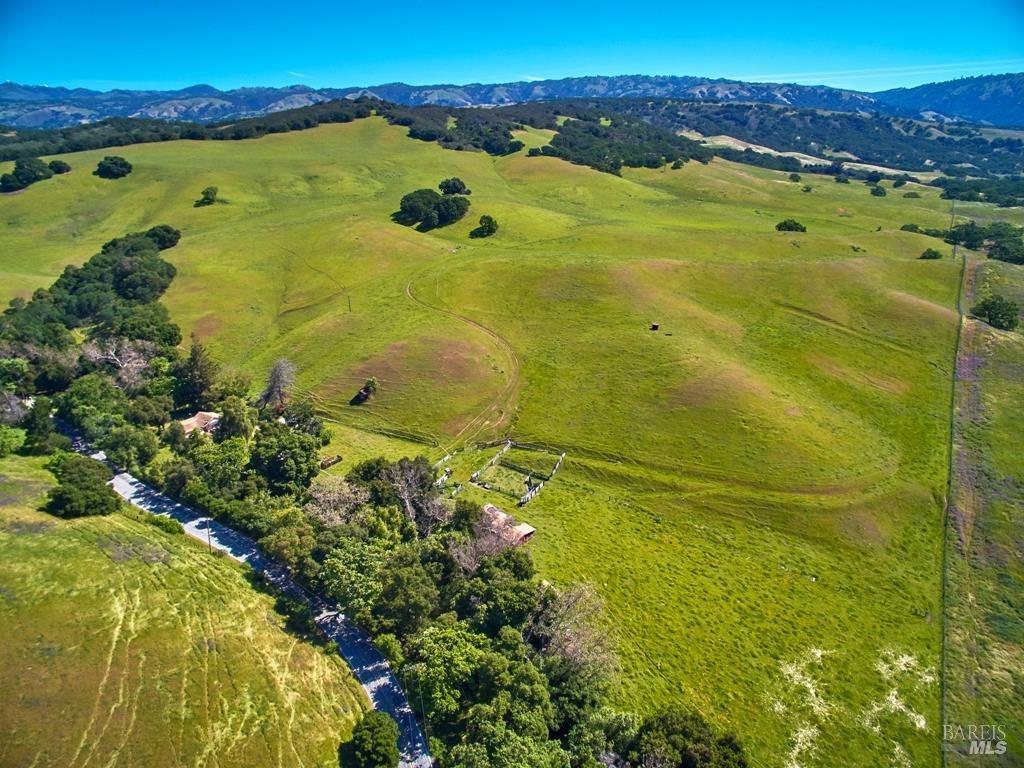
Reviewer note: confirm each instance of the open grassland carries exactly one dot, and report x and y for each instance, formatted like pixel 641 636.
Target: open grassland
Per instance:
pixel 126 646
pixel 756 489
pixel 986 572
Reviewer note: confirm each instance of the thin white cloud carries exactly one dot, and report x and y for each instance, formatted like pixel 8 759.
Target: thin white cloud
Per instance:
pixel 297 74
pixel 920 69
pixel 530 78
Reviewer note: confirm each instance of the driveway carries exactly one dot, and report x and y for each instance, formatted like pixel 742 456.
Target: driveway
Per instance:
pixel 368 665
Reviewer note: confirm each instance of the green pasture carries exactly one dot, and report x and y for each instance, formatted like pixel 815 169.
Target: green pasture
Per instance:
pixel 756 489
pixel 126 646
pixel 985 643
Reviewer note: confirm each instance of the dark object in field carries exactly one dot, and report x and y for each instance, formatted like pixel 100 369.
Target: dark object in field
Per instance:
pixel 329 461
pixel 930 253
pixel 790 225
pixel 59 166
pixel 454 186
pixel 429 210
pixel 112 167
pixel 488 226
pixel 369 390
pixel 209 197
pixel 655 326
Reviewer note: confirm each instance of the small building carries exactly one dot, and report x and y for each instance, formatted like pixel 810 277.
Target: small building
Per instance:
pixel 205 421
pixel 505 526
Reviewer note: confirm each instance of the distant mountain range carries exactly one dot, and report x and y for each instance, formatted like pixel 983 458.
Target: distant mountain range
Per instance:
pixel 993 99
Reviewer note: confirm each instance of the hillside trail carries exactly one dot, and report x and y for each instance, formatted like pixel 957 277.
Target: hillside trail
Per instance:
pixel 500 406
pixel 370 668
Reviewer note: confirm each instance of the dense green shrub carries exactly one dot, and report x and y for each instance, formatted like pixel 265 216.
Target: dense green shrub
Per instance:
pixel 930 253
pixel 375 741
pixel 208 197
pixel 878 191
pixel 81 488
pixel 790 225
pixel 488 226
pixel 168 524
pixel 679 738
pixel 59 166
pixel 10 440
pixel 454 186
pixel 112 167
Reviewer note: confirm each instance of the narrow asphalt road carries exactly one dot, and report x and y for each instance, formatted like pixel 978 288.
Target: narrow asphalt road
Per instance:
pixel 369 667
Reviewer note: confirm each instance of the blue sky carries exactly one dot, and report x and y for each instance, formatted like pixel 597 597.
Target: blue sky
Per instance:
pixel 868 44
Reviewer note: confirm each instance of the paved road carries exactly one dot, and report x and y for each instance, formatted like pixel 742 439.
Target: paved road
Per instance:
pixel 369 667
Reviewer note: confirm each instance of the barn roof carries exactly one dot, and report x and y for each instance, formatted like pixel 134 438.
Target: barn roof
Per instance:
pixel 505 526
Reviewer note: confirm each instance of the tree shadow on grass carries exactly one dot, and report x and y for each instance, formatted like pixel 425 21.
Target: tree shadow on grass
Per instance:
pixel 346 754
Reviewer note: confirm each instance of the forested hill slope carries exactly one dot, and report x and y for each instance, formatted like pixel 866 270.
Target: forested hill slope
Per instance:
pixel 605 134
pixel 993 99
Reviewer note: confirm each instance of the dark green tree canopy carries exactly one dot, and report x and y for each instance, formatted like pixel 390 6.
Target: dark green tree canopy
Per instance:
pixel 112 167
pixel 196 376
pixel 430 210
pixel 26 172
pixel 488 226
pixel 454 186
pixel 998 311
pixel 81 488
pixel 415 206
pixel 288 459
pixel 375 741
pixel 790 225
pixel 676 737
pixel 208 197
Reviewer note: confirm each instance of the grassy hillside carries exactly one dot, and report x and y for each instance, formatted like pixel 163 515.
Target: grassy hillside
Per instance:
pixel 756 489
pixel 986 576
pixel 126 646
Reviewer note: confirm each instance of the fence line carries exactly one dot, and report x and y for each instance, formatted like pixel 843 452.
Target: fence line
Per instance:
pixel 494 460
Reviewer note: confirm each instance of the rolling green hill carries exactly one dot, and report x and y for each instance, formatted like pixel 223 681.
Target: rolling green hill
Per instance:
pixel 756 489
pixel 127 646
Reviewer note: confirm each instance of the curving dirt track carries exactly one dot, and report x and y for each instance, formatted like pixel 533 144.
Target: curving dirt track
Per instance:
pixel 501 404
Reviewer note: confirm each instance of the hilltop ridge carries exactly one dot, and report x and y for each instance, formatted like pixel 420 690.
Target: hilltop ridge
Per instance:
pixel 993 99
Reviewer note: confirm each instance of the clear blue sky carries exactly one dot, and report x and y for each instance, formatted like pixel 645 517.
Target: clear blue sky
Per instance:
pixel 868 44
